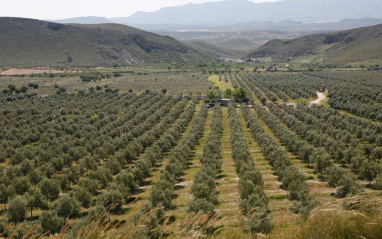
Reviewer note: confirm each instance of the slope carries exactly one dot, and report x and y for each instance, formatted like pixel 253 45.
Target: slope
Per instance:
pixel 355 45
pixel 26 43
pixel 221 50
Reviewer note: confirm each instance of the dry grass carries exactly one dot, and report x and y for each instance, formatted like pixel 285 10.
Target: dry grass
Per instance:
pixel 353 217
pixel 94 228
pixel 221 84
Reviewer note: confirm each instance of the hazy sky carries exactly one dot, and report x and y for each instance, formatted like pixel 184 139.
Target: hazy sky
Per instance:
pixel 58 9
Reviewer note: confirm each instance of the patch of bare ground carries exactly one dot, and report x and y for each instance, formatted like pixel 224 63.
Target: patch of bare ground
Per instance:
pixel 26 71
pixel 228 181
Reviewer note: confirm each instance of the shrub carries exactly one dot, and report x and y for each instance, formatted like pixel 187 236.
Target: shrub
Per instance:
pixel 17 209
pixel 67 206
pixel 50 188
pixel 51 222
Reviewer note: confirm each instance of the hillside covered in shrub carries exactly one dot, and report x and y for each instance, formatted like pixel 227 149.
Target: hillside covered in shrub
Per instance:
pixel 28 43
pixel 355 45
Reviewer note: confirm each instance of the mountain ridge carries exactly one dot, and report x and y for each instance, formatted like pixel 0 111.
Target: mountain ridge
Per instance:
pixel 248 11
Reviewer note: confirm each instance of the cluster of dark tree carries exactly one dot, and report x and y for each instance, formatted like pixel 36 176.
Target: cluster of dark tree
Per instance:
pixel 203 190
pixel 253 200
pixel 292 179
pixel 239 94
pixel 318 155
pixel 58 152
pixel 94 76
pixel 12 88
pixel 60 90
pixel 33 85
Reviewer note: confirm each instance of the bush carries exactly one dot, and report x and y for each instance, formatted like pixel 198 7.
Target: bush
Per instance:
pixel 50 188
pixel 111 200
pixel 17 209
pixel 333 175
pixel 349 186
pixel 51 222
pixel 67 206
pixel 201 205
pixel 256 200
pixel 82 195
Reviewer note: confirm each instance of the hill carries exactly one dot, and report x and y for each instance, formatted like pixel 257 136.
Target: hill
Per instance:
pixel 356 45
pixel 231 48
pixel 241 11
pixel 84 20
pixel 215 49
pixel 27 43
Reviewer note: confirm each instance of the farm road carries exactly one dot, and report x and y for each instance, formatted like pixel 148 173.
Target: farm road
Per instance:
pixel 321 97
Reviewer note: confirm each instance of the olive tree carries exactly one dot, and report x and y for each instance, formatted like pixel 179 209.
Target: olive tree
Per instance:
pixel 17 209
pixel 50 188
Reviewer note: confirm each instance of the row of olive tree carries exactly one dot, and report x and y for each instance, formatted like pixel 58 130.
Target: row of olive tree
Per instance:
pixel 361 157
pixel 291 177
pixel 50 185
pixel 205 194
pixel 319 156
pixel 253 200
pixel 163 191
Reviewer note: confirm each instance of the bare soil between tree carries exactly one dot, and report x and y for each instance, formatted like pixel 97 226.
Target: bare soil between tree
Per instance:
pixel 25 71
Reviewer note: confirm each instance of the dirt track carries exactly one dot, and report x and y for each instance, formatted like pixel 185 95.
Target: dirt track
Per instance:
pixel 321 97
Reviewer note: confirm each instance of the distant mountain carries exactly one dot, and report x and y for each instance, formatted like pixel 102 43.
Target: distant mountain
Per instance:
pixel 356 45
pixel 298 26
pixel 84 20
pixel 27 43
pixel 242 11
pixel 232 43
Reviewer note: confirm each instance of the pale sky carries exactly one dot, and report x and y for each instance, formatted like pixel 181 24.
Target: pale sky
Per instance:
pixel 59 9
